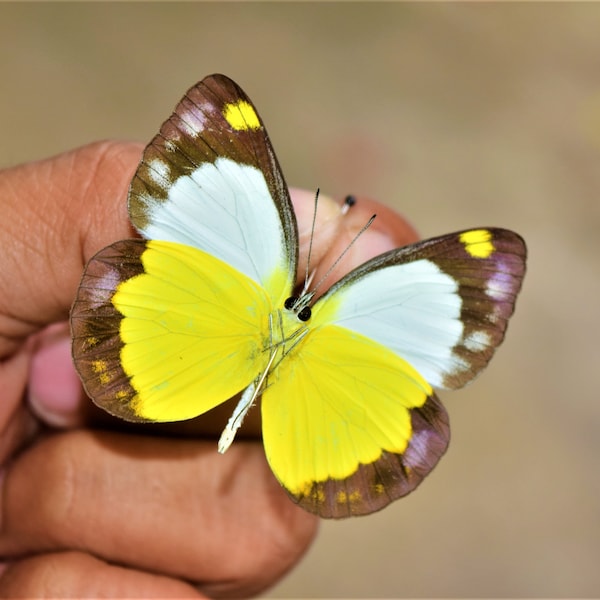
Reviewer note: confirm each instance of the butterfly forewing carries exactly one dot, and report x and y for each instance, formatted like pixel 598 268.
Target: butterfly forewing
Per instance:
pixel 442 304
pixel 210 179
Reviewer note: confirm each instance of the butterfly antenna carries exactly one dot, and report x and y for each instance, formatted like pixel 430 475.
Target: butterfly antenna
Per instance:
pixel 341 256
pixel 349 201
pixel 308 278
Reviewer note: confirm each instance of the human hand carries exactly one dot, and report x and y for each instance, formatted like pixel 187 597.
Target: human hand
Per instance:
pixel 90 512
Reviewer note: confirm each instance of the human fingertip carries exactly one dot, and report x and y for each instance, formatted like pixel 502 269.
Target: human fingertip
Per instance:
pixel 347 233
pixel 304 208
pixel 54 390
pixel 389 228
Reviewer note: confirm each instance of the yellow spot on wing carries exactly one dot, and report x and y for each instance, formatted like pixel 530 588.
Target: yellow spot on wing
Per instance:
pixel 378 489
pixel 308 490
pixel 478 243
pixel 353 497
pixel 241 116
pixel 91 341
pixel 99 366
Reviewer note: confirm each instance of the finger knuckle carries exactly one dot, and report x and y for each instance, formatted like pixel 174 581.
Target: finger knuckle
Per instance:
pixel 41 499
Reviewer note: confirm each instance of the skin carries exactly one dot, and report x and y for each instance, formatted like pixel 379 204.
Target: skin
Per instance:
pixel 92 507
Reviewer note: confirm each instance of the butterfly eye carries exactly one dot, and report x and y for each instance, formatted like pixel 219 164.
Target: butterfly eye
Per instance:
pixel 292 303
pixel 304 314
pixel 289 303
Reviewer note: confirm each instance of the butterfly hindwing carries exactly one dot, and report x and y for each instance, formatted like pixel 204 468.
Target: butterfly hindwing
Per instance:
pixel 164 332
pixel 95 327
pixel 372 486
pixel 348 426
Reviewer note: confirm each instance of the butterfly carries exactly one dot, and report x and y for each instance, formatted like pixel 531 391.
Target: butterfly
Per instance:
pixel 203 306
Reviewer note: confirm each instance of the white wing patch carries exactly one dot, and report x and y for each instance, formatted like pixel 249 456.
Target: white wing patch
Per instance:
pixel 501 284
pixel 413 309
pixel 477 341
pixel 190 120
pixel 226 210
pixel 159 172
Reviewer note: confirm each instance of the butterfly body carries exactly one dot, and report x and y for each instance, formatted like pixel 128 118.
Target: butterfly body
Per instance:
pixel 203 308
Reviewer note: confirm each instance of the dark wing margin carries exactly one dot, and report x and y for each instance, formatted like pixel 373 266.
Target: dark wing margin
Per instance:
pixel 488 282
pixel 95 325
pixel 375 485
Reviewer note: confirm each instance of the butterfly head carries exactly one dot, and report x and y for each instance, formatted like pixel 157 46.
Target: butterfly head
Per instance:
pixel 300 306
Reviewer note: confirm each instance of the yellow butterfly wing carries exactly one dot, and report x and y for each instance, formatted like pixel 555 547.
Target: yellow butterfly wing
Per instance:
pixel 349 426
pixel 180 335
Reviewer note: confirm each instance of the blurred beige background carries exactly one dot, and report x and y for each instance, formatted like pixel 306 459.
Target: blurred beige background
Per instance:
pixel 459 115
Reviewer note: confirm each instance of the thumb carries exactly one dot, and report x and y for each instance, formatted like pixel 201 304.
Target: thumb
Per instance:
pixel 56 214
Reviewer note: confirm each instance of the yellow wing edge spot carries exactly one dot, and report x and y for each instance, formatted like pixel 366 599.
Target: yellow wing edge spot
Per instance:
pixel 478 243
pixel 100 367
pixel 91 341
pixel 241 116
pixel 378 489
pixel 354 497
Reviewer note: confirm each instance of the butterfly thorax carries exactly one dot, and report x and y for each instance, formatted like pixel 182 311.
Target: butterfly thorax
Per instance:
pixel 286 328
